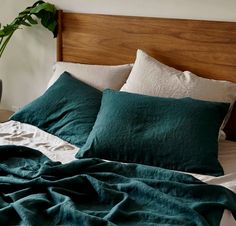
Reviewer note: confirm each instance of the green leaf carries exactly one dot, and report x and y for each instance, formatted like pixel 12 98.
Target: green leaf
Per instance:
pixel 44 6
pixel 31 20
pixel 49 21
pixel 37 3
pixel 7 30
pixel 26 24
pixel 25 12
pixel 46 12
pixel 2 33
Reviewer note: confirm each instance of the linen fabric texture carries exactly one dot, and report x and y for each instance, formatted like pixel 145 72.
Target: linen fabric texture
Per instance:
pixel 178 134
pixel 68 109
pixel 96 192
pixel 98 76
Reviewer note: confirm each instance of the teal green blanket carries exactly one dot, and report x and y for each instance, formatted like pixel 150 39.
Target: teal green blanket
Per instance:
pixel 37 191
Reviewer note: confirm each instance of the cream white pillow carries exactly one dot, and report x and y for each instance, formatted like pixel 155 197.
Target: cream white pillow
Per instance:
pixel 98 76
pixel 150 77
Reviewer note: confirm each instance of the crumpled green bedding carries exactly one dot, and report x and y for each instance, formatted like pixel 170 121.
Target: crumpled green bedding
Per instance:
pixel 36 191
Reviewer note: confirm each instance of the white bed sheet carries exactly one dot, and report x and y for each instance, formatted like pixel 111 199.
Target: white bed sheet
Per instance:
pixel 16 133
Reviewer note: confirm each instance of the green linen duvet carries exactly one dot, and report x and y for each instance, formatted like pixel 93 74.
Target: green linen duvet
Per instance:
pixel 36 191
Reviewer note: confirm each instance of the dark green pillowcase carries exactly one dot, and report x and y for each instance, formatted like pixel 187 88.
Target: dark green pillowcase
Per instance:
pixel 68 109
pixel 178 134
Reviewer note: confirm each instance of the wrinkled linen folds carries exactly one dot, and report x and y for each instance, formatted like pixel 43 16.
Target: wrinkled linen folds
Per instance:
pixel 37 191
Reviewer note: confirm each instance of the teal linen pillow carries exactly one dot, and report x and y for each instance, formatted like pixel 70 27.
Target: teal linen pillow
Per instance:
pixel 178 134
pixel 68 109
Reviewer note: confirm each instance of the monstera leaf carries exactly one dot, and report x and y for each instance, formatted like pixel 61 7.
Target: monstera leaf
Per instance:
pixel 40 11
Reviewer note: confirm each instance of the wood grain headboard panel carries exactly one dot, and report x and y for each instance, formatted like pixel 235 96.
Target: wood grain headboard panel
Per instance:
pixel 207 48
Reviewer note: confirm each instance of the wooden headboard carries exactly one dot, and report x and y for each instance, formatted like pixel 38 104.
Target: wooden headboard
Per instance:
pixel 207 48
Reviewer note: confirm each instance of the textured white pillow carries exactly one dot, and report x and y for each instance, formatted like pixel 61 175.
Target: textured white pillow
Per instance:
pixel 150 77
pixel 98 76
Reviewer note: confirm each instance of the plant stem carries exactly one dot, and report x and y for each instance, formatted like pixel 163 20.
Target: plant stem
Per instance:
pixel 5 44
pixel 1 39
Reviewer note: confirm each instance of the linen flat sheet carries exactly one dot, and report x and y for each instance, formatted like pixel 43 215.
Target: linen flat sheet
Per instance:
pixel 16 133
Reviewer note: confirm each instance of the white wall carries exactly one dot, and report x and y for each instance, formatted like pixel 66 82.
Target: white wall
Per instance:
pixel 27 63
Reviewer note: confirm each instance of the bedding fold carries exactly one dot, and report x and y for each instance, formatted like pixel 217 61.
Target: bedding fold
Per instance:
pixel 37 191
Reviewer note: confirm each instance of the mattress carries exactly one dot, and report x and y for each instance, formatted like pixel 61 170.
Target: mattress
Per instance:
pixel 16 133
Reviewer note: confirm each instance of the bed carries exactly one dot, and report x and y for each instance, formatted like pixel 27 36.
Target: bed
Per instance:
pixel 77 177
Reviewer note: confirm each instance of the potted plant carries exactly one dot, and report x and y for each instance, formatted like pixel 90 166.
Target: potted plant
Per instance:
pixel 40 11
pixel 45 12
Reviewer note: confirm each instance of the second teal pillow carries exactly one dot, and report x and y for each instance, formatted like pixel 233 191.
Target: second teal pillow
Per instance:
pixel 178 134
